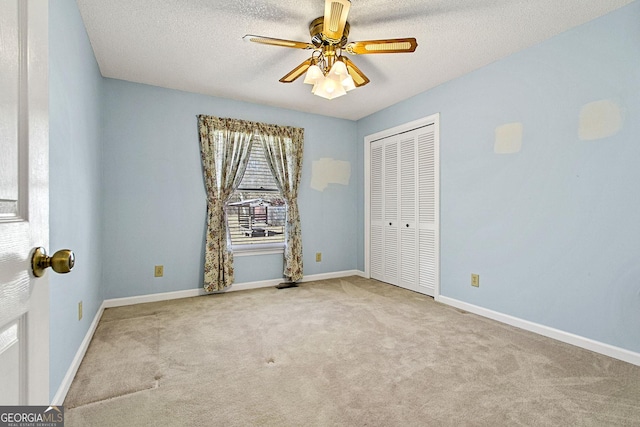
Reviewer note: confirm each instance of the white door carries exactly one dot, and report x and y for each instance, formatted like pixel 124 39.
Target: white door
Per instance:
pixel 389 189
pixel 391 226
pixel 428 207
pixel 408 229
pixel 24 201
pixel 377 211
pixel 402 201
pixel 393 211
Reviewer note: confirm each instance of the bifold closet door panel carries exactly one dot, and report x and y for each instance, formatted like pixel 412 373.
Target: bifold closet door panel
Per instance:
pixel 408 205
pixel 391 212
pixel 376 212
pixel 427 247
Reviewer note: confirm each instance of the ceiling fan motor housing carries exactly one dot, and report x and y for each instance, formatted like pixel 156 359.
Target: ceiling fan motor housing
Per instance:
pixel 318 38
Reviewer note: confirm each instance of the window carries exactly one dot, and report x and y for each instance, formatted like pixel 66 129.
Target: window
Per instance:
pixel 256 210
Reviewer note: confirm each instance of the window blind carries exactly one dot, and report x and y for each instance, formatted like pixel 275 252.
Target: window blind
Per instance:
pixel 256 211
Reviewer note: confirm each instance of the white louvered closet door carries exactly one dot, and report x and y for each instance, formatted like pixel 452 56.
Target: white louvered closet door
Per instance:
pixel 427 208
pixel 408 230
pixel 391 235
pixel 403 203
pixel 376 212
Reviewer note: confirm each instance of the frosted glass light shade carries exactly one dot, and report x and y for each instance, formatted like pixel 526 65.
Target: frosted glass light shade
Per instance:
pixel 348 83
pixel 314 73
pixel 338 71
pixel 328 88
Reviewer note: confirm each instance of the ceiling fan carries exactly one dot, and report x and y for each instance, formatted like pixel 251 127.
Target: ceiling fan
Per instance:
pixel 330 73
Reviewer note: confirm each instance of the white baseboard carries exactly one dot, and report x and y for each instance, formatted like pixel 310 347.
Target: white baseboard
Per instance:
pixel 165 296
pixel 61 394
pixel 334 275
pixel 566 337
pixel 274 282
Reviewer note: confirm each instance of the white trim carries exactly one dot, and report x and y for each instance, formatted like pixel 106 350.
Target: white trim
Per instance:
pixel 406 127
pixel 61 394
pixel 333 275
pixel 165 296
pixel 556 334
pixel 436 175
pixel 273 282
pixel 367 207
pixel 142 299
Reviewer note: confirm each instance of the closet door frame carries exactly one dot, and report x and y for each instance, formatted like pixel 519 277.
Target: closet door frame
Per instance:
pixel 434 120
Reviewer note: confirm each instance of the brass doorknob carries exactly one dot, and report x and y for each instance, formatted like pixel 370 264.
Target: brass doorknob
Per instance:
pixel 61 262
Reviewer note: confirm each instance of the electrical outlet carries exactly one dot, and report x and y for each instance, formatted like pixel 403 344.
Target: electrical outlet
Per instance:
pixel 158 271
pixel 80 310
pixel 318 256
pixel 475 280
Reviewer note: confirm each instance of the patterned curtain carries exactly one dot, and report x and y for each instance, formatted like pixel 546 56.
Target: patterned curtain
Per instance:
pixel 283 148
pixel 225 145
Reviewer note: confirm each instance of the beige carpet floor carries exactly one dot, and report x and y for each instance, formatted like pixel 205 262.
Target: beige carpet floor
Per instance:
pixel 341 352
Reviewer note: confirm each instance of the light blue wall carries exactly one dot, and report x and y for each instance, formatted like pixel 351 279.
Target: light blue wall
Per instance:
pixel 75 182
pixel 554 230
pixel 154 198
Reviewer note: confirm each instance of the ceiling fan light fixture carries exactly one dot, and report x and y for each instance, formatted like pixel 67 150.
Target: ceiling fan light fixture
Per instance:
pixel 328 88
pixel 348 83
pixel 314 74
pixel 338 71
pixel 338 89
pixel 331 74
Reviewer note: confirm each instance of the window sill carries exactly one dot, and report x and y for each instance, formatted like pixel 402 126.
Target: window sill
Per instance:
pixel 263 249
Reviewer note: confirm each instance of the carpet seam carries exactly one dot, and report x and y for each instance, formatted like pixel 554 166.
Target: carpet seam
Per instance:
pixel 155 387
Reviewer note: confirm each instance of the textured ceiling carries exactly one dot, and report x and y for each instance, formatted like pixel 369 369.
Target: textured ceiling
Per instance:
pixel 197 46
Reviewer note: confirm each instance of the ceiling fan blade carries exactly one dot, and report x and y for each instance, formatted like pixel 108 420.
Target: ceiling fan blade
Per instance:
pixel 277 42
pixel 335 18
pixel 296 72
pixel 359 79
pixel 382 46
